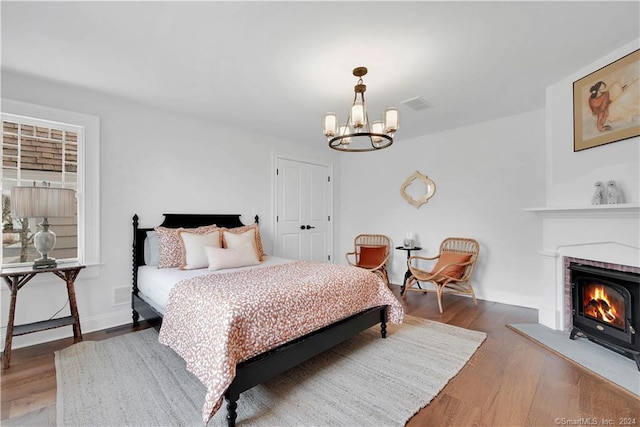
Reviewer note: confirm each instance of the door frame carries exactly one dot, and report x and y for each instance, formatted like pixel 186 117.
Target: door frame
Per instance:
pixel 274 192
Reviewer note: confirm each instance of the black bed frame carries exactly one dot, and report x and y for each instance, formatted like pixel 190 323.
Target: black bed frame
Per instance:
pixel 267 365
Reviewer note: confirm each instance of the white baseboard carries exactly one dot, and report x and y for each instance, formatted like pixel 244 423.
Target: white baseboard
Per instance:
pixel 509 298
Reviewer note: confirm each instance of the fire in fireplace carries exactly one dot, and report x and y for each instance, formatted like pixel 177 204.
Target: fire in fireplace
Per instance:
pixel 604 303
pixel 606 308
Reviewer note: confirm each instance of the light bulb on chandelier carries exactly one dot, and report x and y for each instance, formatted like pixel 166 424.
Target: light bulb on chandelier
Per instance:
pixel 357 128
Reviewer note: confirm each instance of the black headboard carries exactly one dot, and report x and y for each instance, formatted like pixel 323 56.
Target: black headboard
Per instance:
pixel 177 221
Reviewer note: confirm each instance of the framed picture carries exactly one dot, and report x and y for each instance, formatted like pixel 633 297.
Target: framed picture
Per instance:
pixel 606 104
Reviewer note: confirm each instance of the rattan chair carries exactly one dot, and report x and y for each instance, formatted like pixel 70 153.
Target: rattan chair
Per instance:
pixel 451 273
pixel 371 252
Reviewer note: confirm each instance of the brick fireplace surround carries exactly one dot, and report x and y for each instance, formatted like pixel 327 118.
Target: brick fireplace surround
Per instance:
pixel 603 236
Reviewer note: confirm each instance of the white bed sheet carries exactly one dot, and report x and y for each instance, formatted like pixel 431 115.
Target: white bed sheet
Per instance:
pixel 155 283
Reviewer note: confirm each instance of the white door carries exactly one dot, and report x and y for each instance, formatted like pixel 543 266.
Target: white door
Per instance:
pixel 303 211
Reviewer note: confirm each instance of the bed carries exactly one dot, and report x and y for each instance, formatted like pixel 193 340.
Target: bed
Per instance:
pixel 272 361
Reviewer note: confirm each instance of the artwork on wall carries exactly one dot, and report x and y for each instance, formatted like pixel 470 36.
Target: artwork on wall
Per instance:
pixel 605 104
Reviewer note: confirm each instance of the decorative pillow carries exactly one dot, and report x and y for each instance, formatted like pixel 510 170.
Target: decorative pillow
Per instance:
pixel 244 229
pixel 151 248
pixel 451 258
pixel 371 256
pixel 243 255
pixel 193 244
pixel 234 241
pixel 170 250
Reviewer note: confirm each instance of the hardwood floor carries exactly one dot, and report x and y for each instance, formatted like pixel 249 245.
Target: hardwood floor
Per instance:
pixel 510 381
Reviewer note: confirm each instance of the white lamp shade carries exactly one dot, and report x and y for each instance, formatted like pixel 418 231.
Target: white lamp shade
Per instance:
pixel 344 130
pixel 377 127
pixel 391 120
pixel 42 202
pixel 330 124
pixel 357 114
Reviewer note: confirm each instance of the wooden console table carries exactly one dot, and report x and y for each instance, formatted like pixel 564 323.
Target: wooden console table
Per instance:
pixel 16 278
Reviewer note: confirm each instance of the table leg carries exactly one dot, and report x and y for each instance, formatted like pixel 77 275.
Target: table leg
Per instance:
pixel 77 332
pixel 407 274
pixel 6 357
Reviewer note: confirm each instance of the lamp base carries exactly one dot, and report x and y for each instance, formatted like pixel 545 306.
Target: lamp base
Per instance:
pixel 44 241
pixel 42 263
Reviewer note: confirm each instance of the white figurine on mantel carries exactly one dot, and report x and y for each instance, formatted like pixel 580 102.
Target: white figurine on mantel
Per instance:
pixel 598 195
pixel 613 195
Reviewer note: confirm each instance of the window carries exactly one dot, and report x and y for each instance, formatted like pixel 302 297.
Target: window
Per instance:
pixel 61 148
pixel 34 152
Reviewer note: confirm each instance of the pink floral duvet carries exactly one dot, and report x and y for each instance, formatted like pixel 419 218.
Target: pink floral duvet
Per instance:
pixel 217 321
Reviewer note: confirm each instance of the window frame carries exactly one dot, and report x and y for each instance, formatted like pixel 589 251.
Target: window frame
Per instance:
pixel 88 185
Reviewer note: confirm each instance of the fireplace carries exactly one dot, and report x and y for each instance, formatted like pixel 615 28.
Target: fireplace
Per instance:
pixel 605 307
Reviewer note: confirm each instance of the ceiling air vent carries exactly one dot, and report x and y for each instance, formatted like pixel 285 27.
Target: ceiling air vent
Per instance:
pixel 417 103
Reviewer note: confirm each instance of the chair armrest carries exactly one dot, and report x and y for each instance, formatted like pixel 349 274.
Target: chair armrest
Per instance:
pixel 348 260
pixel 424 258
pixel 382 263
pixel 354 263
pixel 438 273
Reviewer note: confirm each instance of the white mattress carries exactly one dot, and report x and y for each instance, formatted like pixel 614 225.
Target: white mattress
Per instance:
pixel 155 283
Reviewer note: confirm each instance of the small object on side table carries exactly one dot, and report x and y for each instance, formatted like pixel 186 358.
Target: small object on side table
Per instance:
pixel 16 278
pixel 408 273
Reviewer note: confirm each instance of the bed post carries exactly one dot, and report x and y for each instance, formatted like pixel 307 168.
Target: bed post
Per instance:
pixel 135 316
pixel 383 321
pixel 232 405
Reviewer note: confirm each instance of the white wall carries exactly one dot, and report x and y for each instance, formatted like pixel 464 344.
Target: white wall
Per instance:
pixel 484 174
pixel 571 175
pixel 152 162
pixel 595 233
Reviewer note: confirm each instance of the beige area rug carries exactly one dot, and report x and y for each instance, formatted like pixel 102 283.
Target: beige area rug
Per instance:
pixel 366 381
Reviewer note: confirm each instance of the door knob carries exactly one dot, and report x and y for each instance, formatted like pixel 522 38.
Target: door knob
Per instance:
pixel 308 227
pixel 302 227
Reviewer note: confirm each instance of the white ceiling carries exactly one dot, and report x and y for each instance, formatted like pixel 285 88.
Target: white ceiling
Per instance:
pixel 276 67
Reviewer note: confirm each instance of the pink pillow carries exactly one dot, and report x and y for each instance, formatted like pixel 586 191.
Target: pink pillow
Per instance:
pixel 170 249
pixel 220 258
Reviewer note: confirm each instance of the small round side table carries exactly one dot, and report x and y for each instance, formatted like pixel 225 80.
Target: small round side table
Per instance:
pixel 408 273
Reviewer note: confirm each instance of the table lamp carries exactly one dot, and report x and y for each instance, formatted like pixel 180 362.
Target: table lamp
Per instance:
pixel 43 202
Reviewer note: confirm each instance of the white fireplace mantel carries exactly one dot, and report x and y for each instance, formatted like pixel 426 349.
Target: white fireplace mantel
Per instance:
pixel 603 233
pixel 622 210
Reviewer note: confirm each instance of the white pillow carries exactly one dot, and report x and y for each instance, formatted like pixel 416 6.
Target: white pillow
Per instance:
pixel 241 256
pixel 235 240
pixel 193 253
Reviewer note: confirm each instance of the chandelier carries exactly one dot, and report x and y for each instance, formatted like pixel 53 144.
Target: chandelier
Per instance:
pixel 357 133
